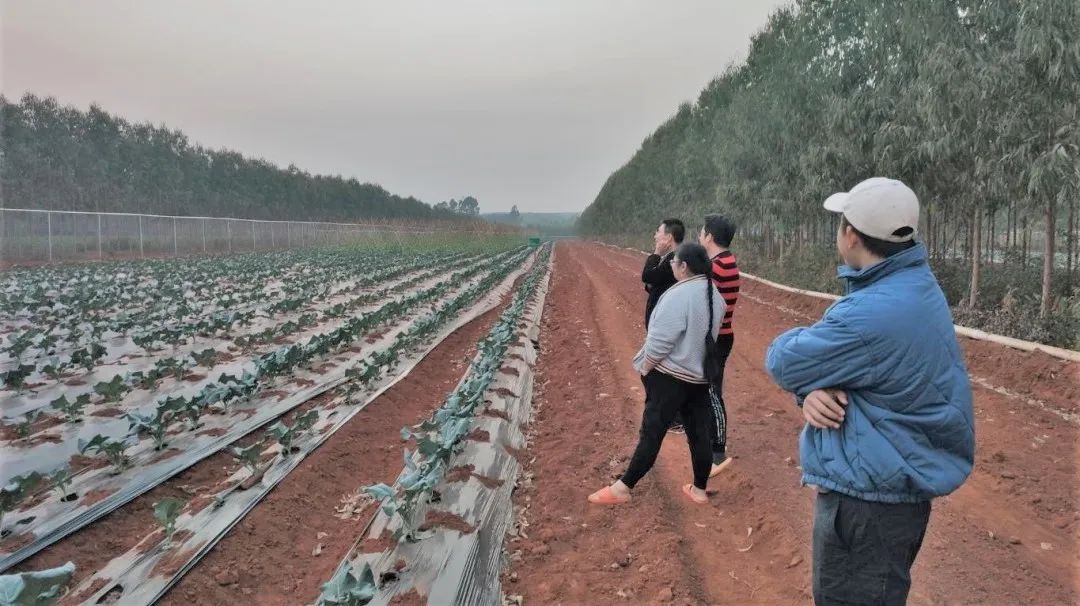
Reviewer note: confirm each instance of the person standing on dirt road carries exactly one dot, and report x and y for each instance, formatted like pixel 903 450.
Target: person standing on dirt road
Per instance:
pixel 677 362
pixel 885 394
pixel 716 236
pixel 657 275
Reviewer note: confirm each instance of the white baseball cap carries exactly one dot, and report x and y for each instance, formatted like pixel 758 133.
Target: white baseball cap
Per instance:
pixel 879 208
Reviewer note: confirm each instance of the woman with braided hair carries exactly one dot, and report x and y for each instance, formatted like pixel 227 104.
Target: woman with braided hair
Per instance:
pixel 678 363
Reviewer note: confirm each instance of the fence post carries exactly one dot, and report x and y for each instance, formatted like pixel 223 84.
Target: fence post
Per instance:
pixel 254 243
pixel 175 248
pixel 142 253
pixel 99 253
pixel 48 222
pixel 228 234
pixel 203 235
pixel 272 236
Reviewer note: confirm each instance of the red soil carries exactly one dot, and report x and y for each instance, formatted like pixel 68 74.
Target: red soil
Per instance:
pixel 272 545
pixel 445 519
pixel 1009 535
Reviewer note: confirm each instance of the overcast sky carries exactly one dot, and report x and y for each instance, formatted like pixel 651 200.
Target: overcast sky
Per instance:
pixel 527 103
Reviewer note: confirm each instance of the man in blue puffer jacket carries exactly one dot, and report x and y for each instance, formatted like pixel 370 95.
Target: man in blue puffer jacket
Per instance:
pixel 882 385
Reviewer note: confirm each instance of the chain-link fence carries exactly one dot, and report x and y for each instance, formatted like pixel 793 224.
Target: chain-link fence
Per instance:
pixel 46 236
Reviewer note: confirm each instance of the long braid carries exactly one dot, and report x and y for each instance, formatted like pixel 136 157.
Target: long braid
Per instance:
pixel 710 339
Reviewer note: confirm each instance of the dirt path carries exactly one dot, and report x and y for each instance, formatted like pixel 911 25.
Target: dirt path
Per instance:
pixel 1009 536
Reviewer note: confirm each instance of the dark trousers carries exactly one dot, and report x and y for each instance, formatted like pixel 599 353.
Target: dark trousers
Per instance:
pixel 718 427
pixel 863 551
pixel 664 396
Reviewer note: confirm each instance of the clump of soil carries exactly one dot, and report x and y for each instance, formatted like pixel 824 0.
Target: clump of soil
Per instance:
pixel 194 377
pixel 479 435
pixel 460 473
pixel 413 598
pixel 505 393
pixel 378 545
pixel 109 411
pixel 488 482
pixel 171 564
pixel 79 462
pixel 94 587
pixel 445 519
pixel 510 370
pixel 496 413
pixel 519 454
pixel 96 496
pixel 17 542
pixel 303 382
pixel 214 433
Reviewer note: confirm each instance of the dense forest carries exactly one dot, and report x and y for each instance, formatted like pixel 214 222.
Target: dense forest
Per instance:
pixel 62 158
pixel 974 103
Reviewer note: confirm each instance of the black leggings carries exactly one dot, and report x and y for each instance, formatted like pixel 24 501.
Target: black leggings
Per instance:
pixel 664 397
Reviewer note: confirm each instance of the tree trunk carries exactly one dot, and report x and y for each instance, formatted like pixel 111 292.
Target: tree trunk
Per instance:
pixel 1070 238
pixel 976 240
pixel 1024 247
pixel 1048 259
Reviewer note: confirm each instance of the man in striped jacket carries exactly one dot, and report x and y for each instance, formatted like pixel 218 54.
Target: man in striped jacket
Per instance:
pixel 716 236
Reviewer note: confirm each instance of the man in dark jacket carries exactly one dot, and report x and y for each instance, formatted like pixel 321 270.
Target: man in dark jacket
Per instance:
pixel 657 274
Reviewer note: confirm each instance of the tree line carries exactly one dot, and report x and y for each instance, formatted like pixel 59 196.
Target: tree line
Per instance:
pixel 973 103
pixel 59 157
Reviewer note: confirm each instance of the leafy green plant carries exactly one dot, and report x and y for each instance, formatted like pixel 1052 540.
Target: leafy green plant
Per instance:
pixel 346 589
pixel 35 588
pixel 24 428
pixel 16 377
pixel 207 357
pixel 155 425
pixel 54 369
pixel 15 491
pixel 166 511
pixel 112 390
pixel 60 481
pixel 249 457
pixel 286 435
pixel 113 450
pixel 72 410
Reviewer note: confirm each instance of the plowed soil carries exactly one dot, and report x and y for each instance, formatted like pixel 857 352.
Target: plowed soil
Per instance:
pixel 1010 535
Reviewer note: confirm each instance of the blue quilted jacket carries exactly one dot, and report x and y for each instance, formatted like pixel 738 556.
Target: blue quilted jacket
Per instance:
pixel 909 431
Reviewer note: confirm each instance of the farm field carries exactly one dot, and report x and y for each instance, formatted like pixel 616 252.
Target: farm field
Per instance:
pixel 380 427
pixel 124 378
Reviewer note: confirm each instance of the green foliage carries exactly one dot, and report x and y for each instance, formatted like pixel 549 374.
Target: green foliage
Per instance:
pixel 973 104
pixel 249 456
pixel 60 481
pixel 286 435
pixel 72 410
pixel 112 390
pixel 166 511
pixel 207 357
pixel 15 491
pixel 63 158
pixel 346 589
pixel 115 451
pixel 24 428
pixel 35 588
pixel 16 377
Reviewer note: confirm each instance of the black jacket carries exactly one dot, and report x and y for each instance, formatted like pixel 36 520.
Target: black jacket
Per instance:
pixel 657 277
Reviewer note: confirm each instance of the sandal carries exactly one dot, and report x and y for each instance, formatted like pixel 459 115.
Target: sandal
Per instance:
pixel 606 496
pixel 690 495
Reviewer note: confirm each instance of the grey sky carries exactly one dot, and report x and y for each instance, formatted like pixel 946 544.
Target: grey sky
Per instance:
pixel 527 103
